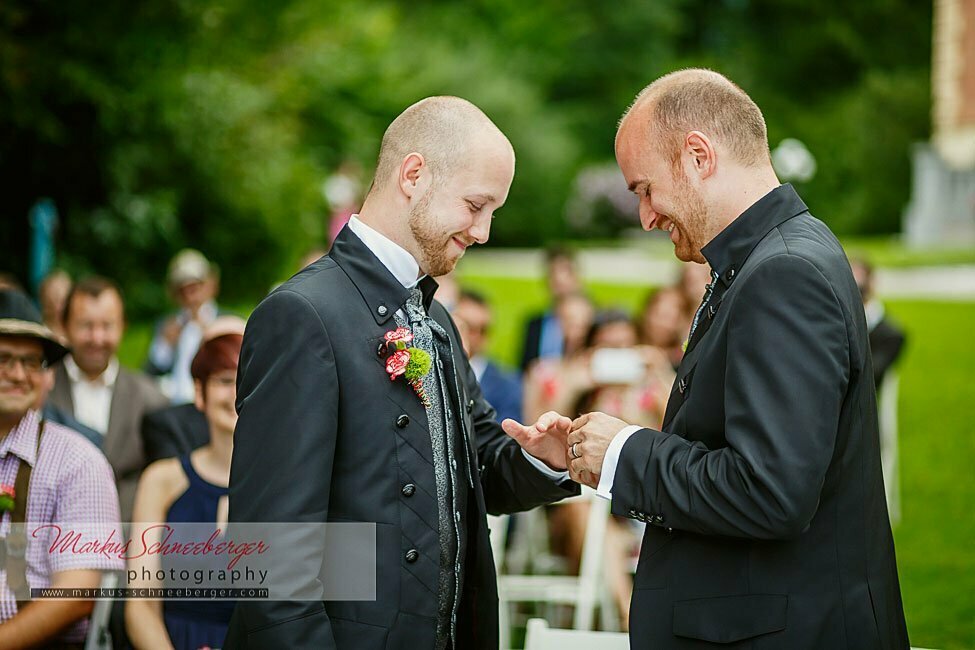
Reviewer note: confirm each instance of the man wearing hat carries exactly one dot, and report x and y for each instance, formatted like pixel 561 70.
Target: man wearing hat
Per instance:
pixel 193 283
pixel 49 476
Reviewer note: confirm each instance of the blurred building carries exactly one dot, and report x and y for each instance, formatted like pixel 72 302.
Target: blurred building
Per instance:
pixel 942 207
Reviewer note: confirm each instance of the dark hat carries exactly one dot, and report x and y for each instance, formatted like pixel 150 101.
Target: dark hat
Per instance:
pixel 19 317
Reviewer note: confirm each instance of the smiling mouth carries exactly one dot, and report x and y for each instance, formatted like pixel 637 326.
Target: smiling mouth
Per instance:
pixel 460 244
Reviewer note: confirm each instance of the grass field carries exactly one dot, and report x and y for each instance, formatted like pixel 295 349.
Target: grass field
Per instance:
pixel 936 536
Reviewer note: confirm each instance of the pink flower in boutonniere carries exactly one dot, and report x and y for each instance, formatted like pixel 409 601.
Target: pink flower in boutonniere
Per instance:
pixel 399 335
pixel 7 496
pixel 396 364
pixel 411 362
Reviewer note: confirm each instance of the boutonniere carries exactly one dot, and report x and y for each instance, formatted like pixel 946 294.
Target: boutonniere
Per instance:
pixel 7 498
pixel 410 362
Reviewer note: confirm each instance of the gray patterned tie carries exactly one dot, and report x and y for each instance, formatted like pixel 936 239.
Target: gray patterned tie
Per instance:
pixel 708 291
pixel 426 331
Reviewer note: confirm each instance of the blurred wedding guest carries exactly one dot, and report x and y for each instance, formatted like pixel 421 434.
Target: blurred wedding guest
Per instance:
pixel 448 290
pixel 663 323
pixel 10 281
pixel 52 413
pixel 554 383
pixel 192 488
pixel 692 282
pixel 52 294
pixel 57 477
pixel 885 336
pixel 91 385
pixel 501 389
pixel 614 374
pixel 343 191
pixel 172 431
pixel 543 333
pixel 193 282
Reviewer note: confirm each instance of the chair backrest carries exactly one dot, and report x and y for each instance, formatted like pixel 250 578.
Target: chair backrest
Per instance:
pixel 99 637
pixel 539 636
pixel 591 565
pixel 498 525
pixel 889 454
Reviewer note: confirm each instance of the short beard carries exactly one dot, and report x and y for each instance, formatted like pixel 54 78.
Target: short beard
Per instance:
pixel 433 246
pixel 695 219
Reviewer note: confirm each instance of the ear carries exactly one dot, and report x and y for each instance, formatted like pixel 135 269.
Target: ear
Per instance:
pixel 412 172
pixel 700 150
pixel 198 399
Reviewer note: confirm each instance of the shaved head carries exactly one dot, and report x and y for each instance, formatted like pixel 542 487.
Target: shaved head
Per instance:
pixel 441 129
pixel 701 100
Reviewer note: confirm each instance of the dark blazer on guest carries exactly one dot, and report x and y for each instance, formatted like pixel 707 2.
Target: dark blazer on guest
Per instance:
pixel 886 344
pixel 324 435
pixel 133 396
pixel 533 339
pixel 768 526
pixel 502 390
pixel 174 431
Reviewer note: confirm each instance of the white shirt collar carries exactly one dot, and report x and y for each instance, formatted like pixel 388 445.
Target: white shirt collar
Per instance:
pixel 394 257
pixel 874 311
pixel 106 379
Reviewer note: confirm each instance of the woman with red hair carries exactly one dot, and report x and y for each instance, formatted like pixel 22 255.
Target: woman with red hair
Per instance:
pixel 192 488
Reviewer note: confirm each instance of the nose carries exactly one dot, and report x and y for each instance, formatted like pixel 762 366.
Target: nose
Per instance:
pixel 480 230
pixel 17 371
pixel 648 217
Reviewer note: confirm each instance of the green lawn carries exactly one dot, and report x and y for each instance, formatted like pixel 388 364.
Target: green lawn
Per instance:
pixel 936 536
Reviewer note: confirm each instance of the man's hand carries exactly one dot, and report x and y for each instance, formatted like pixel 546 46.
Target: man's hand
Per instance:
pixel 545 440
pixel 587 444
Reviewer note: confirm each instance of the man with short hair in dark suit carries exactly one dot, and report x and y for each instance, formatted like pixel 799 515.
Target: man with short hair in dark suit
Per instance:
pixel 501 389
pixel 763 494
pixel 357 404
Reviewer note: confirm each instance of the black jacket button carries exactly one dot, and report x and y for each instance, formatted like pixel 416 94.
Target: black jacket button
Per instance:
pixel 403 421
pixel 412 555
pixel 408 490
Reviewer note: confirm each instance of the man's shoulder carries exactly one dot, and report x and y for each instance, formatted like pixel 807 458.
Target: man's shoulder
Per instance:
pixel 69 449
pixel 319 285
pixel 145 387
pixel 803 245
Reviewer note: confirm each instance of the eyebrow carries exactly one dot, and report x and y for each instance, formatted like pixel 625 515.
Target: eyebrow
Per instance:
pixel 486 197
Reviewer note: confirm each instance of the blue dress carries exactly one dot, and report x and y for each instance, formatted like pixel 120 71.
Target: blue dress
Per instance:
pixel 193 624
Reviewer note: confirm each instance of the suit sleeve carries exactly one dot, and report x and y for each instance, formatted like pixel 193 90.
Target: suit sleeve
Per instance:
pixel 509 481
pixel 787 372
pixel 157 440
pixel 284 442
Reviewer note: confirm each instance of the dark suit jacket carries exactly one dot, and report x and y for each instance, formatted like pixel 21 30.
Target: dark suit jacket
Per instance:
pixel 886 343
pixel 324 435
pixel 174 431
pixel 768 523
pixel 134 395
pixel 502 391
pixel 533 338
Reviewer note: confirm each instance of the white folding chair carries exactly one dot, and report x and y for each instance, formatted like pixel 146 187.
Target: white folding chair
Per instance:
pixel 583 592
pixel 887 415
pixel 498 526
pixel 539 636
pixel 99 637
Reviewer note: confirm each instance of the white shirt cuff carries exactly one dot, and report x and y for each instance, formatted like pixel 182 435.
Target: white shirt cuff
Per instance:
pixel 554 474
pixel 610 460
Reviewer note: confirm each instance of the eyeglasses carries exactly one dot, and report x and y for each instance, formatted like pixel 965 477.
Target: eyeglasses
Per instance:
pixel 31 363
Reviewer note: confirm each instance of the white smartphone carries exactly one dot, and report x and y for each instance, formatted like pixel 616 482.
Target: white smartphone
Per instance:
pixel 617 366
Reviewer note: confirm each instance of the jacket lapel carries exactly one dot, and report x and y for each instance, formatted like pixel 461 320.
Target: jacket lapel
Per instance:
pixel 123 399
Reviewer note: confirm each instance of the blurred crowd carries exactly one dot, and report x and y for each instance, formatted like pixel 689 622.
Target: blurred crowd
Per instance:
pixel 116 444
